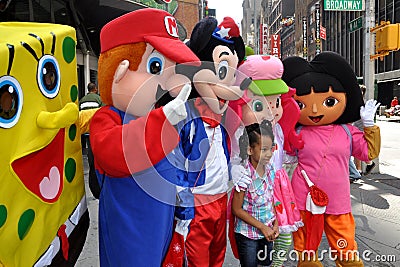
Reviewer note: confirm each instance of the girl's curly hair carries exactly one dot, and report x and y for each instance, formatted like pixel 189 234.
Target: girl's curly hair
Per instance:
pixel 252 135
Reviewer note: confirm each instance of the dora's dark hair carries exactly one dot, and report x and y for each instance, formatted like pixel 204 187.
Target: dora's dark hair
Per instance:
pixel 252 135
pixel 326 70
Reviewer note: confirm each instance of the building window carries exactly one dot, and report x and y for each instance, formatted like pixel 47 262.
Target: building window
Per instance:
pixel 61 13
pixel 41 10
pixel 16 11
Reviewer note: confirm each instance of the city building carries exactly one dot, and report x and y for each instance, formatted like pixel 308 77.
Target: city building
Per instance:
pixel 345 34
pixel 312 26
pixel 305 29
pixel 280 15
pixel 288 19
pixel 268 26
pixel 88 17
pixel 252 23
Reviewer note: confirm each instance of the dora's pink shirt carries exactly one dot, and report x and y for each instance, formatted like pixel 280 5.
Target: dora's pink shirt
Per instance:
pixel 331 173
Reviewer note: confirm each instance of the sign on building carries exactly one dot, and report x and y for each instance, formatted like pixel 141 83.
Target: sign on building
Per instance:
pixel 276 45
pixel 305 46
pixel 264 49
pixel 322 32
pixel 317 30
pixel 261 47
pixel 344 5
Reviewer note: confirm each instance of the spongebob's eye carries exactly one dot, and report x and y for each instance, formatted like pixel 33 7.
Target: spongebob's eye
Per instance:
pixel 258 106
pixel 48 76
pixel 155 63
pixel 11 100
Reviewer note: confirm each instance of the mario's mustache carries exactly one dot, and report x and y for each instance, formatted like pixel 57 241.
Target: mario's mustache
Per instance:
pixel 162 97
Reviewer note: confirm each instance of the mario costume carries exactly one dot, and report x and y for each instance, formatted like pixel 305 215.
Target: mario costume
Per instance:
pixel 132 141
pixel 204 140
pixel 330 99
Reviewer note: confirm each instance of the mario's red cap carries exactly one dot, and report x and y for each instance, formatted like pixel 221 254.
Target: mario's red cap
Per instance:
pixel 154 26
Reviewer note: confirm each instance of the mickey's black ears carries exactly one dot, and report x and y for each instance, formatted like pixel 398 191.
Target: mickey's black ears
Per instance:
pixel 201 34
pixel 239 47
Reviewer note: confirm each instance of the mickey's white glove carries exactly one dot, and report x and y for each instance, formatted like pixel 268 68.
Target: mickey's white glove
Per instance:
pixel 175 110
pixel 182 227
pixel 368 111
pixel 241 177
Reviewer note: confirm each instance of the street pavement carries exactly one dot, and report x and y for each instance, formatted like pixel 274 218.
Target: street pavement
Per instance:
pixel 375 203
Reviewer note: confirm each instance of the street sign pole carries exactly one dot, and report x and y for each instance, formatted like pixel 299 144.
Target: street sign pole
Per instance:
pixel 369 65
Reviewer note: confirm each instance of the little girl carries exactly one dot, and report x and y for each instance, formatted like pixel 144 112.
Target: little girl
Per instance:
pixel 269 98
pixel 256 225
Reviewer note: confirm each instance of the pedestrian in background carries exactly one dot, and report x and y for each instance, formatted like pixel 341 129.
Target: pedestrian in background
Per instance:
pixel 394 102
pixel 91 101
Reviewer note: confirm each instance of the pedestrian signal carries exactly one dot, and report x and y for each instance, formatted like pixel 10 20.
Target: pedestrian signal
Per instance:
pixel 387 37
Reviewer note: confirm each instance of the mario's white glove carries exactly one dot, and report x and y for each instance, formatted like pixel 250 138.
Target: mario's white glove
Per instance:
pixel 241 177
pixel 182 227
pixel 175 110
pixel 367 112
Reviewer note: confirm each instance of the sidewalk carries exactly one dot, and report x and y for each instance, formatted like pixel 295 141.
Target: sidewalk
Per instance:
pixel 375 202
pixel 391 118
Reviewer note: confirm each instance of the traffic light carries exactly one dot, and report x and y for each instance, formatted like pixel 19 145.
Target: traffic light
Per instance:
pixel 206 8
pixel 387 37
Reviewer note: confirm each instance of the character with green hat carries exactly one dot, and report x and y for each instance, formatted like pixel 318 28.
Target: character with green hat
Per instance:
pixel 268 98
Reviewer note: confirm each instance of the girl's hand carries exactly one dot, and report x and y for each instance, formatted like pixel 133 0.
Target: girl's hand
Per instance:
pixel 268 232
pixel 276 230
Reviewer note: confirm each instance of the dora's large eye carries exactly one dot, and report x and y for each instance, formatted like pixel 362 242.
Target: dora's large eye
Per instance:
pixel 330 102
pixel 11 100
pixel 301 105
pixel 223 68
pixel 155 63
pixel 258 106
pixel 48 76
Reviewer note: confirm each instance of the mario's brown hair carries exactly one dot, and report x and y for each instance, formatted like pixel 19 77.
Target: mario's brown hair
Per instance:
pixel 109 61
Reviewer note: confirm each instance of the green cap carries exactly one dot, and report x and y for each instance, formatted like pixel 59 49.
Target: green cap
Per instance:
pixel 268 87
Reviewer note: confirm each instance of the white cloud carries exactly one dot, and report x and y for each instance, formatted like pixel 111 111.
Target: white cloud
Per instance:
pixel 230 8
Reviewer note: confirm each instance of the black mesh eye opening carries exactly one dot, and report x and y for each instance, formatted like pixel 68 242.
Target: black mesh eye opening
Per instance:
pixel 9 101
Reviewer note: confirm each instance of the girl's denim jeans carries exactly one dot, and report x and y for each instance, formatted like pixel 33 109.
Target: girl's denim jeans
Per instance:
pixel 253 252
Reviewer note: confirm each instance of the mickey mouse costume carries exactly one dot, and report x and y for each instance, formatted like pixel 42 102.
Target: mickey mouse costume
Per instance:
pixel 204 141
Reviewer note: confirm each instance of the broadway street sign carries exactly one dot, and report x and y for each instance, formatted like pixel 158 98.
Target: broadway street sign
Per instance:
pixel 344 5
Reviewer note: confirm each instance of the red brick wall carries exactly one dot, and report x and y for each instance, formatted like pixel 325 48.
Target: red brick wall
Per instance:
pixel 188 14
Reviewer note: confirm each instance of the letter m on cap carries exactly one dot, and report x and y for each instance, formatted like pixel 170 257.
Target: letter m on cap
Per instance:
pixel 171 26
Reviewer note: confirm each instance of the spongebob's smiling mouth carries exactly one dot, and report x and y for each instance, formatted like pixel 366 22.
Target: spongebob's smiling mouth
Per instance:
pixel 41 172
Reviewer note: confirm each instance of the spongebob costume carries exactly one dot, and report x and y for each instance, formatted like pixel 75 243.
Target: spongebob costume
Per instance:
pixel 43 213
